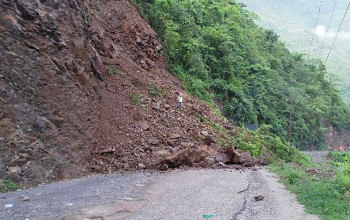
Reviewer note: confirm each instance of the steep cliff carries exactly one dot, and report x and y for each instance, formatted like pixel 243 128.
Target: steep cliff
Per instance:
pixel 83 88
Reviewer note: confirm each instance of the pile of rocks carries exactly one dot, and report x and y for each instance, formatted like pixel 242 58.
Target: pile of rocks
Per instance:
pixel 207 156
pixel 88 106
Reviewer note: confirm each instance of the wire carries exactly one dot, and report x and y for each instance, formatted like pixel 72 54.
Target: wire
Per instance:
pixel 313 35
pixel 329 24
pixel 335 38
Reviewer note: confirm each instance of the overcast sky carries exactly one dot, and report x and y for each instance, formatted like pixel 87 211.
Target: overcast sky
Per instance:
pixel 321 32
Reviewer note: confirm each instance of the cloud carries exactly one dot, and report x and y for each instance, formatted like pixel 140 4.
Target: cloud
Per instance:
pixel 321 31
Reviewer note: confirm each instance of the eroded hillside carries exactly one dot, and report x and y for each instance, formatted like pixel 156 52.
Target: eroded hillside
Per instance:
pixel 84 88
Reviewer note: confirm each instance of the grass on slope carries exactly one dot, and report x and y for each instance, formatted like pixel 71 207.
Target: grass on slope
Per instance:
pixel 326 194
pixel 7 186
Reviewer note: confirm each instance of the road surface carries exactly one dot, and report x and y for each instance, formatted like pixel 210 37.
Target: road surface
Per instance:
pixel 224 194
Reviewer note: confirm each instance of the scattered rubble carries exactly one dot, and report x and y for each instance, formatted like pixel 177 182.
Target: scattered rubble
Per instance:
pixel 313 171
pixel 88 106
pixel 25 199
pixel 144 126
pixel 258 198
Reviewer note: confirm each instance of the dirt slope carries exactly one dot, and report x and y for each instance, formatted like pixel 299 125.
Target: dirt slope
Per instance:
pixel 75 84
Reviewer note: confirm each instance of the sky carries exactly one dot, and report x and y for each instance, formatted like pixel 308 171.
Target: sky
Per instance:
pixel 321 32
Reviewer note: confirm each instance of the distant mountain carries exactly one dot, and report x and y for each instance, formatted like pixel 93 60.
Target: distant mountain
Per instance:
pixel 295 22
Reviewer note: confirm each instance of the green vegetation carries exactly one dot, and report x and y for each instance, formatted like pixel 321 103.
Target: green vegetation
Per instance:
pixel 218 51
pixel 7 185
pixel 341 162
pixel 259 142
pixel 153 89
pixel 86 19
pixel 325 194
pixel 136 98
pixel 262 141
pixel 339 157
pixel 320 195
pixel 295 21
pixel 112 70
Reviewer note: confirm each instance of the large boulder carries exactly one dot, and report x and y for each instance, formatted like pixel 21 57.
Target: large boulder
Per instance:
pixel 189 156
pixel 208 140
pixel 263 160
pixel 208 151
pixel 163 153
pixel 239 157
pixel 247 160
pixel 233 154
pixel 222 158
pixel 178 158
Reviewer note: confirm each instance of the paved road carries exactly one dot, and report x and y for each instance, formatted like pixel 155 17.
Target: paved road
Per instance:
pixel 181 194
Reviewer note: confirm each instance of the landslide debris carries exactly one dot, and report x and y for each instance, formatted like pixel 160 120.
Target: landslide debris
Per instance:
pixel 84 88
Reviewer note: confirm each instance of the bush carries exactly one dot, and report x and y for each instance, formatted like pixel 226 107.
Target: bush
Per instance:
pixel 343 176
pixel 263 140
pixel 293 177
pixel 153 89
pixel 249 141
pixel 112 70
pixel 339 157
pixel 136 98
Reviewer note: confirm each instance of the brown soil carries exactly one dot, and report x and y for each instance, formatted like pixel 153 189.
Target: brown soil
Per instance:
pixel 75 85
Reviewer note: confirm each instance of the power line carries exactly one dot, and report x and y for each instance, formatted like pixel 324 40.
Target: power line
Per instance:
pixel 329 24
pixel 313 35
pixel 335 38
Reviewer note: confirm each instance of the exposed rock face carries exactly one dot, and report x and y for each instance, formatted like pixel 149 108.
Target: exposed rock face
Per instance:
pixel 335 138
pixel 74 93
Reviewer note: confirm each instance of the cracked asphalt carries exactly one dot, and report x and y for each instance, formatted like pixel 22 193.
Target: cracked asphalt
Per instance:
pixel 226 194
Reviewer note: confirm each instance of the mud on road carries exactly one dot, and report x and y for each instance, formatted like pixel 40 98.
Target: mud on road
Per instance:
pixel 182 194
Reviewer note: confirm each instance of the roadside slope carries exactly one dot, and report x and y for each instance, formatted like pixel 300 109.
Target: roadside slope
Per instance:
pixel 77 79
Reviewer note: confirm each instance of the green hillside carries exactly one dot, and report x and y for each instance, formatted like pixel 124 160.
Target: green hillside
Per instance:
pixel 217 49
pixel 295 21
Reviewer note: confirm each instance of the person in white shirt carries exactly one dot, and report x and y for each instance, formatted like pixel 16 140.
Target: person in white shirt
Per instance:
pixel 179 101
